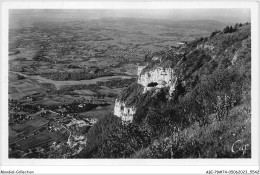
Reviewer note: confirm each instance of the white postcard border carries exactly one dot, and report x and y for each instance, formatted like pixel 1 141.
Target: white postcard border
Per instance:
pixel 254 6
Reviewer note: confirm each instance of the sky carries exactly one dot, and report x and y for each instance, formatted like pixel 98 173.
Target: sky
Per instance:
pixel 226 15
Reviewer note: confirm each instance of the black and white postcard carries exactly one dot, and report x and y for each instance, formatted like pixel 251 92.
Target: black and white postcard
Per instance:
pixel 170 83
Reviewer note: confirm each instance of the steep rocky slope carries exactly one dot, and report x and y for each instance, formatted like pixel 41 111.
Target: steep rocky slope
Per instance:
pixel 189 101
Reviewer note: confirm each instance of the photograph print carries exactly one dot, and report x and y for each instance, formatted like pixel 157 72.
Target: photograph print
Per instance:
pixel 129 83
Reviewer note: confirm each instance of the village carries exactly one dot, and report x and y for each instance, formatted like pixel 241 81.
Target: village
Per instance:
pixel 60 124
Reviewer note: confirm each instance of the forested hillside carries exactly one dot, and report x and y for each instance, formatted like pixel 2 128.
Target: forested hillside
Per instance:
pixel 207 116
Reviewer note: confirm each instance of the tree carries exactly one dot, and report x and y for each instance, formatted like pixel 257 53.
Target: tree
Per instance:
pixel 214 33
pixel 231 29
pixel 226 29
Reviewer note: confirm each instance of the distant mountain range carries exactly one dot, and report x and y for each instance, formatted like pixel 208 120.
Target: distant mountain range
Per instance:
pixel 202 17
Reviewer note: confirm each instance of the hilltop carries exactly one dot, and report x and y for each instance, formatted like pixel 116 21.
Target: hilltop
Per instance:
pixel 189 101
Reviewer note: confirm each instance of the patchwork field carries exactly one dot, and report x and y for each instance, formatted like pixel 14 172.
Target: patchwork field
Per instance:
pixel 30 125
pixel 19 88
pixel 43 139
pixel 99 112
pixel 61 73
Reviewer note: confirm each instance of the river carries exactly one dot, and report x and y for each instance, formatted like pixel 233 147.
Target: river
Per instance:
pixel 59 84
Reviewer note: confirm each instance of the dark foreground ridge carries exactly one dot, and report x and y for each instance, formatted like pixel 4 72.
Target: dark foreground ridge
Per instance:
pixel 201 109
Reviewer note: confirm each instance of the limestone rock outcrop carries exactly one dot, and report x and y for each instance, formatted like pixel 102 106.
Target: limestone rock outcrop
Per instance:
pixel 157 78
pixel 125 113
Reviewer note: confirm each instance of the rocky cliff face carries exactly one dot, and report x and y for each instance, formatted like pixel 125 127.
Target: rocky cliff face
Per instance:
pixel 125 113
pixel 189 102
pixel 158 78
pixel 176 71
pixel 139 70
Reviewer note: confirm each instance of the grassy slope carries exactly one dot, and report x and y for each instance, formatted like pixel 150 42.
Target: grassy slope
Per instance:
pixel 211 141
pixel 205 74
pixel 218 137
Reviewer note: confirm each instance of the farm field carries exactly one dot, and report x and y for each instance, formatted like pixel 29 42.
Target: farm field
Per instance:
pixel 60 73
pixel 96 113
pixel 43 139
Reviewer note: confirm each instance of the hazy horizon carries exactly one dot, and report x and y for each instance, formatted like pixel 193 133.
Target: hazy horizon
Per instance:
pixel 231 16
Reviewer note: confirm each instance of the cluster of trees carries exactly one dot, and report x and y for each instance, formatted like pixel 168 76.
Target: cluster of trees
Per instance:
pixel 67 88
pixel 116 83
pixel 15 118
pixel 214 33
pixel 75 108
pixel 17 106
pixel 76 75
pixel 20 77
pixel 227 29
